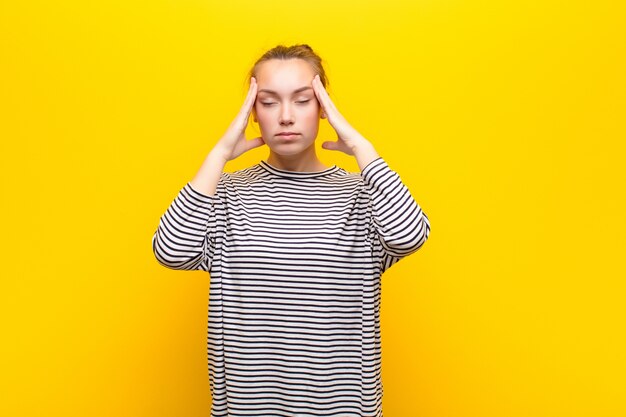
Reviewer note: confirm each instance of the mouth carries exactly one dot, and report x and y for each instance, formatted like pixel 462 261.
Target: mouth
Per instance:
pixel 288 135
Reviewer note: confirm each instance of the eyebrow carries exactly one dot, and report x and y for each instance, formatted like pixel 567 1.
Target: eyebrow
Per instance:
pixel 306 87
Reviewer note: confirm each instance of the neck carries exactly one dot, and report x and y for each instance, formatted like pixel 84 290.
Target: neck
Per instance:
pixel 305 162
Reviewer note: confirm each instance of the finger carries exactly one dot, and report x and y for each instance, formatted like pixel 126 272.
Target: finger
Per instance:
pixel 336 146
pixel 323 94
pixel 251 98
pixel 316 87
pixel 316 90
pixel 246 109
pixel 324 103
pixel 332 146
pixel 255 143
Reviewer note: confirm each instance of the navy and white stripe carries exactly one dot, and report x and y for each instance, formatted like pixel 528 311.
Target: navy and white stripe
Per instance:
pixel 295 260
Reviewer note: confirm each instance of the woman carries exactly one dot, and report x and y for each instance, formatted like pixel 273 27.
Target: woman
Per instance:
pixel 295 252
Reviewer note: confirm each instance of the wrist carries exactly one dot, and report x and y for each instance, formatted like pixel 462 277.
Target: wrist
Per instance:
pixel 218 155
pixel 364 154
pixel 359 143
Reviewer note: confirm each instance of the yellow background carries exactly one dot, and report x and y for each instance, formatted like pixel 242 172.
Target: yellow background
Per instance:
pixel 504 119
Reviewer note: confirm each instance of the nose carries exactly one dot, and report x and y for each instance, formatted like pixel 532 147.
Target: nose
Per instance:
pixel 286 115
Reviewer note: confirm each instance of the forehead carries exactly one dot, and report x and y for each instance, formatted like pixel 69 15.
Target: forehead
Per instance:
pixel 284 76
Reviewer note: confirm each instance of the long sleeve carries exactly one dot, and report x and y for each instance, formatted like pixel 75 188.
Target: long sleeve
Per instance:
pixel 185 237
pixel 398 220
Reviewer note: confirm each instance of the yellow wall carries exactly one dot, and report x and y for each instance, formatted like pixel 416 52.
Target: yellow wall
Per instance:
pixel 505 119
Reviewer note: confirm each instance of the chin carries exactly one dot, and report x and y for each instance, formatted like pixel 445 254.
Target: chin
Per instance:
pixel 288 149
pixel 280 150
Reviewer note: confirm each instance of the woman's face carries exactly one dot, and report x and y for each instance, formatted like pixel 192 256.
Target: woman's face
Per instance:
pixel 286 102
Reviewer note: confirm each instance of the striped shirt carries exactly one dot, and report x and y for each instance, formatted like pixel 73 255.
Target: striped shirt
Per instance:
pixel 295 262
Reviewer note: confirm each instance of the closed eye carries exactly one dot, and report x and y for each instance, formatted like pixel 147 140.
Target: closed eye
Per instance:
pixel 299 102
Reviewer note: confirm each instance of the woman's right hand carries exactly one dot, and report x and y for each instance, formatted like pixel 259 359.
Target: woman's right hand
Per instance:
pixel 233 143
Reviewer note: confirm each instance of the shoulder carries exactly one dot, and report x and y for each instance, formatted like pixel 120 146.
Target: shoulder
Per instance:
pixel 248 175
pixel 343 176
pixel 343 182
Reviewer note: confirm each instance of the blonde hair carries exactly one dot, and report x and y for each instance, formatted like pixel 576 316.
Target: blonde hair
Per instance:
pixel 301 51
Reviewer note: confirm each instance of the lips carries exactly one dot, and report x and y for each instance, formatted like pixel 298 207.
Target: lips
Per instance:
pixel 287 134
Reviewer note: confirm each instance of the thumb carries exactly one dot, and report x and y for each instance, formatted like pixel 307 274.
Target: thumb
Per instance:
pixel 332 146
pixel 255 143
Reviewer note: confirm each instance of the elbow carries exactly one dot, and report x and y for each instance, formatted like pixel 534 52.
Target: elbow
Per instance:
pixel 170 256
pixel 423 232
pixel 419 234
pixel 411 239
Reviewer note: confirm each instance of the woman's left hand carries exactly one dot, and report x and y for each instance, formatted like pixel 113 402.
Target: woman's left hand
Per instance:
pixel 348 138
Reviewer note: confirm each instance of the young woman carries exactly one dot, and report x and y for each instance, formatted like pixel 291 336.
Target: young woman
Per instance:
pixel 295 252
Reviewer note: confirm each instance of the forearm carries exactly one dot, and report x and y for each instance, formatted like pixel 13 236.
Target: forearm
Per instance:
pixel 206 179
